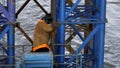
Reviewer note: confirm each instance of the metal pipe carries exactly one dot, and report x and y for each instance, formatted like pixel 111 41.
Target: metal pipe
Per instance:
pixel 95 40
pixel 84 43
pixel 77 32
pixel 73 7
pixel 101 34
pixel 11 51
pixel 62 30
pixel 5 12
pixel 3 32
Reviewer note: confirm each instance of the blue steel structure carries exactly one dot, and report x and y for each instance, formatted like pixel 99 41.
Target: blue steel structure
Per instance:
pixel 36 60
pixel 83 14
pixel 7 21
pixel 76 14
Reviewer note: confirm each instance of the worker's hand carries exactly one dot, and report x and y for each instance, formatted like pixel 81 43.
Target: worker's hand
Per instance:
pixel 56 24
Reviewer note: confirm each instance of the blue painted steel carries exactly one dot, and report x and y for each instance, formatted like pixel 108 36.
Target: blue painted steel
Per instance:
pixel 84 43
pixel 4 31
pixel 18 64
pixel 62 31
pixel 5 12
pixel 11 52
pixel 77 32
pixel 95 40
pixel 99 37
pixel 73 7
pixel 101 34
pixel 94 15
pixel 100 52
pixel 94 64
pixel 88 17
pixel 11 9
pixel 89 59
pixel 57 41
pixel 74 20
pixel 10 15
pixel 36 60
pixel 40 60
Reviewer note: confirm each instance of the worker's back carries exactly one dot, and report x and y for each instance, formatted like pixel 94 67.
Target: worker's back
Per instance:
pixel 42 34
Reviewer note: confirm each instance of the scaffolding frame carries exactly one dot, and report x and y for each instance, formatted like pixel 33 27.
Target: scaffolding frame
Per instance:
pixel 94 14
pixel 8 21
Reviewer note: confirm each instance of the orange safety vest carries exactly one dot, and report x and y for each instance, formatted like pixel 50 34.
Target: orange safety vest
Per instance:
pixel 40 46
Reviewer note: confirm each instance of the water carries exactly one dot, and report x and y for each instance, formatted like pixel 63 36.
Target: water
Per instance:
pixel 112 51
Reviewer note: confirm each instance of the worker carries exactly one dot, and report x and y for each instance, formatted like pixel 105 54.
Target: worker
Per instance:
pixel 42 36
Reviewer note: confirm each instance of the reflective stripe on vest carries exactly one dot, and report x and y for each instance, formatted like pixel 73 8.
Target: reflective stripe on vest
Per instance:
pixel 40 46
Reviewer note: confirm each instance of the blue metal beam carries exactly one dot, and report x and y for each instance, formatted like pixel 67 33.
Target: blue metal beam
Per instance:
pixel 91 16
pixel 73 7
pixel 62 30
pixel 78 33
pixel 101 34
pixel 97 18
pixel 4 31
pixel 5 12
pixel 11 10
pixel 84 43
pixel 11 52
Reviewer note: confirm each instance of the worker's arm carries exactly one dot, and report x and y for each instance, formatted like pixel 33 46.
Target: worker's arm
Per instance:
pixel 47 27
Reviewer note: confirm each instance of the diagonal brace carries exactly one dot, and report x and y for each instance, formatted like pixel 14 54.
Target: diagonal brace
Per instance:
pixel 80 37
pixel 4 11
pixel 73 7
pixel 23 32
pixel 4 31
pixel 84 43
pixel 41 7
pixel 22 7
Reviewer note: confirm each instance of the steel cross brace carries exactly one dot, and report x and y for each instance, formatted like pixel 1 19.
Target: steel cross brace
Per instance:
pixel 84 43
pixel 25 4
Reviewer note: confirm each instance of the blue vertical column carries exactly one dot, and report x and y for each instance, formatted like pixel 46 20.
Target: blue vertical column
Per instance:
pixel 100 35
pixel 95 49
pixel 58 31
pixel 11 10
pixel 62 30
pixel 102 15
pixel 95 40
